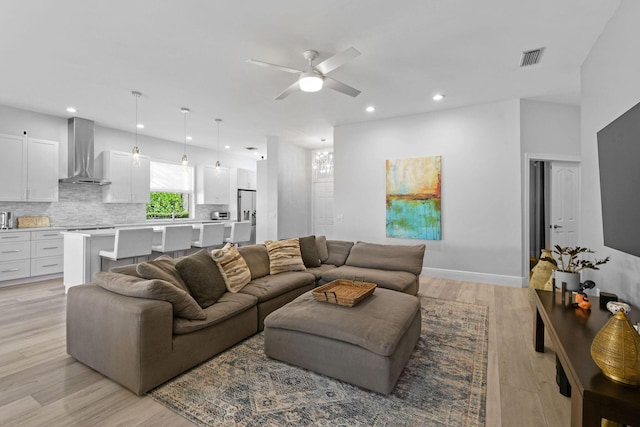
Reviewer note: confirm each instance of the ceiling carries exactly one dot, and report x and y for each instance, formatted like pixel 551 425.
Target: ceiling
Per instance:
pixel 91 54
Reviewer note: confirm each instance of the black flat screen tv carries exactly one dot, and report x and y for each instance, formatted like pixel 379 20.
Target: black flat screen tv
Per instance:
pixel 619 161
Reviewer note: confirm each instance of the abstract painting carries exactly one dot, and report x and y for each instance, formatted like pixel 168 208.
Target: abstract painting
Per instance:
pixel 413 198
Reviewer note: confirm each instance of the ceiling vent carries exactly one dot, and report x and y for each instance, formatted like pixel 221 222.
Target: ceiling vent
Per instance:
pixel 251 148
pixel 531 57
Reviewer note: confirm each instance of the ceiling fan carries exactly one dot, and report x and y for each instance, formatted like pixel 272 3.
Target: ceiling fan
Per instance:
pixel 314 77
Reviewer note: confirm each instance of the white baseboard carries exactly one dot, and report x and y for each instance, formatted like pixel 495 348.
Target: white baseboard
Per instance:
pixel 470 276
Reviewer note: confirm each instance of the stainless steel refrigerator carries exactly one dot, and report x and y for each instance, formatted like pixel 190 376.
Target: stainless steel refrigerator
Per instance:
pixel 247 209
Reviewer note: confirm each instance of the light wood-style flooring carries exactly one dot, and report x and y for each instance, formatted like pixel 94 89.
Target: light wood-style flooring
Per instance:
pixel 40 385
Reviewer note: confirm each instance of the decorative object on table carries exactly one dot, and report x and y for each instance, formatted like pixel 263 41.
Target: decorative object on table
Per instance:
pixel 581 298
pixel 615 306
pixel 413 198
pixel 605 297
pixel 616 350
pixel 344 292
pixel 569 262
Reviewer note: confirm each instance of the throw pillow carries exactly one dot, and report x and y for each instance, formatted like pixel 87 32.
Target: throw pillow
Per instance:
pixel 309 251
pixel 321 245
pixel 182 303
pixel 202 276
pixel 338 252
pixel 163 268
pixel 233 267
pixel 284 255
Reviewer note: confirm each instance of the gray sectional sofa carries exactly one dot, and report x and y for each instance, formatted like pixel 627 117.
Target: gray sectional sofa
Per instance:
pixel 141 332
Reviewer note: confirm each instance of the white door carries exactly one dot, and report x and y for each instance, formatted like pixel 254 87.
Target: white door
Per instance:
pixel 323 208
pixel 13 168
pixel 141 181
pixel 565 203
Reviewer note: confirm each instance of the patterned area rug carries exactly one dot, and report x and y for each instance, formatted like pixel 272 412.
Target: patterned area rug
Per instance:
pixel 443 384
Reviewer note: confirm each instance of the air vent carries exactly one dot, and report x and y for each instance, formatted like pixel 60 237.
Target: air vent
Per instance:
pixel 251 148
pixel 531 57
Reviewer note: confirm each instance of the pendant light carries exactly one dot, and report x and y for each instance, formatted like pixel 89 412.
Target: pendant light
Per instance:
pixel 136 149
pixel 185 160
pixel 218 121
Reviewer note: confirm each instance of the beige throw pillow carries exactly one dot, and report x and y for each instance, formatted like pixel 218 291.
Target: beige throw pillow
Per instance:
pixel 284 255
pixel 233 267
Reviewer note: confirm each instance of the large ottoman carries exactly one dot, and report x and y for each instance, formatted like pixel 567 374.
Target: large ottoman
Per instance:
pixel 367 345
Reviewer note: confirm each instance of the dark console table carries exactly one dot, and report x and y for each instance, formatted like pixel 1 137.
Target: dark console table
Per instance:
pixel 593 396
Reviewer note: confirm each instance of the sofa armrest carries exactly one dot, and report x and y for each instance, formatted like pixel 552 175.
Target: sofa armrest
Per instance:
pixel 116 335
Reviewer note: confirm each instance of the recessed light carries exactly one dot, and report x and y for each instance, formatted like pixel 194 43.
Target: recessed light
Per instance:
pixel 370 109
pixel 438 97
pixel 71 110
pixel 189 138
pixel 227 147
pixel 140 126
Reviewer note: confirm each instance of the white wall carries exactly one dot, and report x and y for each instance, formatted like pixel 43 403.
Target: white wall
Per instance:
pixel 481 186
pixel 294 190
pixel 549 128
pixel 610 80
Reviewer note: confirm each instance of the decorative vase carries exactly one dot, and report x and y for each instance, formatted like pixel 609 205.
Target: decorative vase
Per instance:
pixel 616 350
pixel 571 279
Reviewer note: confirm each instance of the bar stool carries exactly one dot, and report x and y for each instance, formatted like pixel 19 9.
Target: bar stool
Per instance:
pixel 129 243
pixel 210 235
pixel 174 238
pixel 240 233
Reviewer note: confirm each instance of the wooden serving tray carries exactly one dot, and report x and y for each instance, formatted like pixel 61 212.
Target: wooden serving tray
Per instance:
pixel 343 292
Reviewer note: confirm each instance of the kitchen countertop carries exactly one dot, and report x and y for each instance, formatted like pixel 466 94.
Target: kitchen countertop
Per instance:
pixel 94 227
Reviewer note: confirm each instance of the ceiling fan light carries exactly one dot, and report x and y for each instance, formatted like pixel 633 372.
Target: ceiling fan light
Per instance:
pixel 310 82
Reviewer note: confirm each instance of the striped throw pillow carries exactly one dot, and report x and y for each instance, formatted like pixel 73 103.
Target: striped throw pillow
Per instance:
pixel 284 255
pixel 233 267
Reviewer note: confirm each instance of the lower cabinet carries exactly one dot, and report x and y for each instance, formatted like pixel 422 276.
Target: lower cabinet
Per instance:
pixel 29 254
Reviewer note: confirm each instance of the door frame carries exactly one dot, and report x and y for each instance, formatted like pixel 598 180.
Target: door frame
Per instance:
pixel 528 158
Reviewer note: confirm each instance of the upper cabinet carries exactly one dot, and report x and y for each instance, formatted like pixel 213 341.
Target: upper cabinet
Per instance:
pixel 130 183
pixel 212 185
pixel 29 168
pixel 246 179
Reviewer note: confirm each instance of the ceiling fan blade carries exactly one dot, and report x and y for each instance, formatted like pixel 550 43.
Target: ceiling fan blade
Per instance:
pixel 279 67
pixel 288 91
pixel 340 87
pixel 337 60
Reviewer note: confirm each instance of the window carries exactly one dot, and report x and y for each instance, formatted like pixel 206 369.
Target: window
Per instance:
pixel 171 191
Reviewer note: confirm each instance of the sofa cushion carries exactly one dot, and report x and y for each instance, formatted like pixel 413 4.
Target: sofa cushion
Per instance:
pixel 183 304
pixel 129 269
pixel 257 258
pixel 226 307
pixel 309 251
pixel 387 257
pixel 319 271
pixel 233 267
pixel 163 268
pixel 401 281
pixel 269 287
pixel 338 252
pixel 202 276
pixel 321 245
pixel 284 255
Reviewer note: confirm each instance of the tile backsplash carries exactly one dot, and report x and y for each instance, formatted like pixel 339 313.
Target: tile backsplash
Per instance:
pixel 80 204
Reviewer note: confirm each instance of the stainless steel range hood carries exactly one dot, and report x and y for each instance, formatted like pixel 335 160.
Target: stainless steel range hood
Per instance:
pixel 81 153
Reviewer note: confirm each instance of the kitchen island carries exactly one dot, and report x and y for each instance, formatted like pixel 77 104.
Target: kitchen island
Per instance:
pixel 82 248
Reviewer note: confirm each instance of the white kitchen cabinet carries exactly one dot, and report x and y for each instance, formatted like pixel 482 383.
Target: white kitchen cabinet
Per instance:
pixel 246 179
pixel 129 183
pixel 29 167
pixel 15 254
pixel 47 252
pixel 42 170
pixel 212 186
